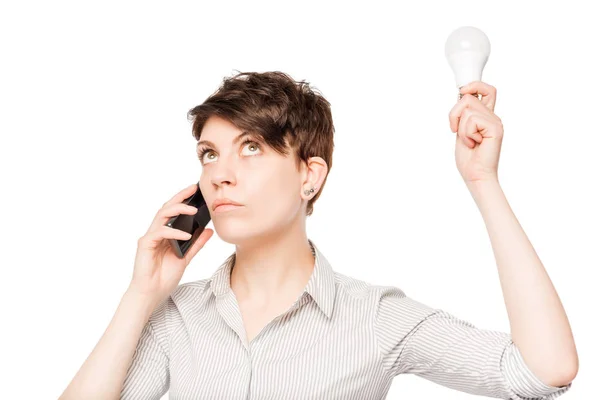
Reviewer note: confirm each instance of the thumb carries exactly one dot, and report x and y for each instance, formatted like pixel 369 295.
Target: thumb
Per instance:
pixel 466 88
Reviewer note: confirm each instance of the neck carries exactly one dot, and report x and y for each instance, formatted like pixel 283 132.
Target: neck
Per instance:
pixel 279 264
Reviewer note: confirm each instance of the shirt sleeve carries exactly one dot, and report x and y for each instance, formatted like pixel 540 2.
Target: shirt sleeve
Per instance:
pixel 433 344
pixel 148 375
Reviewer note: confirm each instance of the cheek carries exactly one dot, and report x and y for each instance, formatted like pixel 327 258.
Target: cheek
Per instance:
pixel 276 195
pixel 205 189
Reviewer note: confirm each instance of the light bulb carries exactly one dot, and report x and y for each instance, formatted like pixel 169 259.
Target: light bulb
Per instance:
pixel 467 52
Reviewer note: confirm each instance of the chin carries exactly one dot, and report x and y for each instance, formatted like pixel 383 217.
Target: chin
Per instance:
pixel 241 232
pixel 235 232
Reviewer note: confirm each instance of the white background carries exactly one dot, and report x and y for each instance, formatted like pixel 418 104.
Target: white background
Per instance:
pixel 93 103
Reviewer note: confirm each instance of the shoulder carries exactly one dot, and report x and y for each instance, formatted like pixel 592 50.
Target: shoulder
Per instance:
pixel 359 288
pixel 380 300
pixel 190 292
pixel 194 286
pixel 184 295
pixel 387 302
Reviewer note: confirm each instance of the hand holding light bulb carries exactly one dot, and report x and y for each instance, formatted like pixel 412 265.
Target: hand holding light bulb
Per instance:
pixel 479 131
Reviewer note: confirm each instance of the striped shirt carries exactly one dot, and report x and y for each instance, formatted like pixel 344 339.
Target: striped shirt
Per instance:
pixel 341 339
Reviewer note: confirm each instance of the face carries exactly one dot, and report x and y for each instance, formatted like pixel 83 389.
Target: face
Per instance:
pixel 247 171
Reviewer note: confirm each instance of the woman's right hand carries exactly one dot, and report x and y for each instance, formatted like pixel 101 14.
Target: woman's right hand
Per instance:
pixel 158 270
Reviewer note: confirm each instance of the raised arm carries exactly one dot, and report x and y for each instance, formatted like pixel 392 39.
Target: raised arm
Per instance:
pixel 538 322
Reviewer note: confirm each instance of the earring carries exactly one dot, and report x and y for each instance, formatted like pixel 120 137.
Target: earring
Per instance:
pixel 307 192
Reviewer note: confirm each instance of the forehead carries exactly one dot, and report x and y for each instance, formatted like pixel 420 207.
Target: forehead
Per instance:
pixel 217 126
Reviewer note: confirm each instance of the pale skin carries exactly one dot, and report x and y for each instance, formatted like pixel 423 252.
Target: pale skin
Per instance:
pixel 538 322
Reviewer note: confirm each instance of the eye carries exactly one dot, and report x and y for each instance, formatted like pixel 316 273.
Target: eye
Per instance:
pixel 202 151
pixel 253 143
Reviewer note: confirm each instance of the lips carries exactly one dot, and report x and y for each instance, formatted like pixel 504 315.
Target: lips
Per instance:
pixel 226 207
pixel 224 202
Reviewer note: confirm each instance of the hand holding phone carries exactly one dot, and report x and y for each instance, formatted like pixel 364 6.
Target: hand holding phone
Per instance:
pixel 189 223
pixel 174 237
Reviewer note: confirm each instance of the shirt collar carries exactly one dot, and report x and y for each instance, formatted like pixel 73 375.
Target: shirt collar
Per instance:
pixel 321 286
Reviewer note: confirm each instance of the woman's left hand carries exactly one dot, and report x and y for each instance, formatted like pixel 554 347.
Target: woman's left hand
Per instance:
pixel 479 133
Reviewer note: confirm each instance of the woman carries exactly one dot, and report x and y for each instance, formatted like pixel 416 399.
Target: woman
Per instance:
pixel 275 320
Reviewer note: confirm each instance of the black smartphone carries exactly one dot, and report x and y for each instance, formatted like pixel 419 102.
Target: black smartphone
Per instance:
pixel 193 224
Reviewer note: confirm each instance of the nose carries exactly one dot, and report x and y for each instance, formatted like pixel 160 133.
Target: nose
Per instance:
pixel 222 174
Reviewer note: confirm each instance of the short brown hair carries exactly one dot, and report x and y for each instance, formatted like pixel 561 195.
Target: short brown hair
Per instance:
pixel 280 110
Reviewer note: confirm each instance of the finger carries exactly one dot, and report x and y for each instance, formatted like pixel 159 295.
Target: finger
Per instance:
pixel 466 141
pixel 152 239
pixel 466 102
pixel 488 93
pixel 198 244
pixel 454 115
pixel 467 128
pixel 167 212
pixel 456 111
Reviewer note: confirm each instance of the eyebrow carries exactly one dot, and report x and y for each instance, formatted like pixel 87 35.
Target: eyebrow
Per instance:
pixel 234 141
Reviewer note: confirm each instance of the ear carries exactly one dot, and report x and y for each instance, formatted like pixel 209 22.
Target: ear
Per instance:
pixel 314 174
